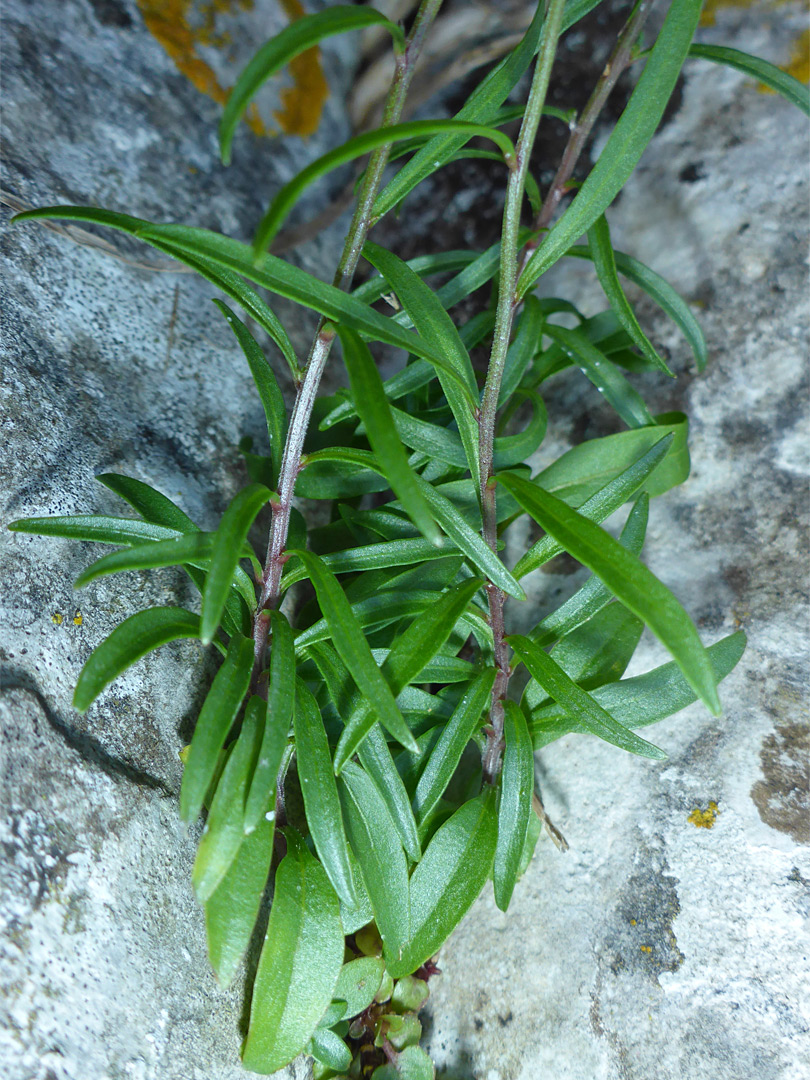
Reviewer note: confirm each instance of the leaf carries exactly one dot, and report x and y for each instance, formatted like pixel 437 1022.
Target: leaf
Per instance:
pixel 604 261
pixel 413 1063
pixel 269 392
pixel 95 527
pixel 231 911
pixel 659 289
pixel 514 449
pixel 599 506
pixel 227 547
pixel 296 38
pixel 378 849
pixel 330 1050
pixel 789 87
pixel 357 147
pixel 358 983
pixel 300 962
pixel 373 557
pixel 605 376
pixel 527 341
pixel 439 262
pixel 376 759
pixel 374 612
pixel 599 650
pixel 627 578
pixel 224 828
pixel 408 656
pixel 445 883
pixel 133 639
pixel 261 798
pixel 193 548
pixel 320 793
pixel 593 596
pixel 213 724
pixel 642 700
pixel 515 805
pixel 446 754
pixel 578 703
pixel 152 505
pixel 353 649
pixel 375 412
pixel 627 141
pixel 432 323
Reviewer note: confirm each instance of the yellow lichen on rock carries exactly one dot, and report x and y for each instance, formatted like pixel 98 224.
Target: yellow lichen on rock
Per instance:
pixel 303 101
pixel 704 819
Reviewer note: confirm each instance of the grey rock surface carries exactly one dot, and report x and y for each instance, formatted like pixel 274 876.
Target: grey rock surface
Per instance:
pixel 112 367
pixel 657 949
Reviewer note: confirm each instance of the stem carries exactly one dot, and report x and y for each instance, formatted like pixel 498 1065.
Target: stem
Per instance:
pixel 504 318
pixel 319 352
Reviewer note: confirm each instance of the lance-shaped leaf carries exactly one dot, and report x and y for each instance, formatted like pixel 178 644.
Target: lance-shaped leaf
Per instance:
pixel 296 38
pixel 374 612
pixel 224 828
pixel 598 507
pixel 515 804
pixel 446 754
pixel 231 911
pixel 351 645
pixel 376 759
pixel 269 392
pixel 228 541
pixel 213 724
pixel 432 322
pixel 580 705
pixel 96 527
pixel 604 374
pixel 320 793
pixel 525 345
pixel 514 449
pixel 358 147
pixel 373 557
pixel 261 797
pixel 627 578
pixel 599 650
pixel 378 849
pixel 604 261
pixel 300 962
pixel 375 412
pixel 453 870
pixel 659 290
pixel 627 142
pixel 439 262
pixel 152 505
pixel 636 702
pixel 133 639
pixel 593 596
pixel 780 81
pixel 193 548
pixel 408 655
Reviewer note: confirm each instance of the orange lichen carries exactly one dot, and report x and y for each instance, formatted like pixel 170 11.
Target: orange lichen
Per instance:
pixel 56 618
pixel 799 66
pixel 704 819
pixel 646 948
pixel 303 101
pixel 78 619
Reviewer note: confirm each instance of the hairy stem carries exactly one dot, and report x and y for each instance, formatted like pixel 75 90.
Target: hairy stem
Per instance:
pixel 504 318
pixel 319 352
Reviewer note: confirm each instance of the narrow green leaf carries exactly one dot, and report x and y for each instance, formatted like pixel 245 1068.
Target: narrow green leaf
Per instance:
pixel 296 38
pixel 408 656
pixel 599 650
pixel 604 375
pixel 358 147
pixel 193 548
pixel 627 142
pixel 780 81
pixel 527 341
pixel 378 849
pixel 299 965
pixel 269 392
pixel 373 557
pixel 224 828
pixel 439 262
pixel 599 506
pixel 374 612
pixel 515 805
pixel 261 798
pixel 604 261
pixel 97 527
pixel 231 911
pixel 593 596
pixel 213 724
pixel 432 323
pixel 319 789
pixel 514 449
pixel 358 983
pixel 627 578
pixel 353 649
pixel 133 639
pixel 453 870
pixel 643 700
pixel 376 759
pixel 228 541
pixel 578 702
pixel 446 754
pixel 152 505
pixel 375 412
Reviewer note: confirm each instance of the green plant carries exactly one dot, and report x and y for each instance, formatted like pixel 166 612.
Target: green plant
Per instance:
pixel 341 764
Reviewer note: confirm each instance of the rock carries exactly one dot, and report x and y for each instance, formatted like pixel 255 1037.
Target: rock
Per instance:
pixel 112 367
pixel 668 944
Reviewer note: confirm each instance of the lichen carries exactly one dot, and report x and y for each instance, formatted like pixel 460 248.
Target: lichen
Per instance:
pixel 704 819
